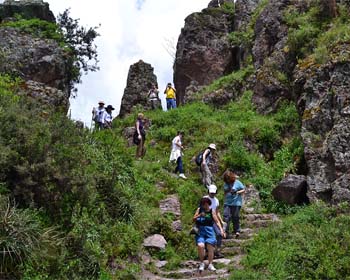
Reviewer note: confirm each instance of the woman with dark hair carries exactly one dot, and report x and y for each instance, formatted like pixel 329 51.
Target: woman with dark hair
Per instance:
pixel 205 219
pixel 233 201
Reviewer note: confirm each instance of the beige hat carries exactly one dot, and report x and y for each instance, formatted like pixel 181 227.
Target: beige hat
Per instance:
pixel 101 102
pixel 212 146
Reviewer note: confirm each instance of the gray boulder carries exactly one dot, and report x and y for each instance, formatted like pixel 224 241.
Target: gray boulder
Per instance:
pixel 28 9
pixel 170 205
pixel 155 241
pixel 140 79
pixel 292 190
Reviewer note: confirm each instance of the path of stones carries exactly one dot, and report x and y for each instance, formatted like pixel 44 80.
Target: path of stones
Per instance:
pixel 232 248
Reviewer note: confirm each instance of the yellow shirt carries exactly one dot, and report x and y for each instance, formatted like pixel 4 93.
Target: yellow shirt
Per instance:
pixel 170 93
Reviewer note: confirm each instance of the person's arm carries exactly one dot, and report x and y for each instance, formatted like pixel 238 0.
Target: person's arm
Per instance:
pixel 205 154
pixel 174 93
pixel 178 143
pixel 138 129
pixel 196 215
pixel 166 89
pixel 219 215
pixel 216 220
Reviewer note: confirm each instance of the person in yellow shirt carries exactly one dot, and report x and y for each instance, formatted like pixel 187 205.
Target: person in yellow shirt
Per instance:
pixel 170 93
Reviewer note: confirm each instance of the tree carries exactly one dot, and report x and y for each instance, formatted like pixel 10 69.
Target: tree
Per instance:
pixel 83 51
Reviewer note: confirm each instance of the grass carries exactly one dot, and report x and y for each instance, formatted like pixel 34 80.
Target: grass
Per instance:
pixel 312 244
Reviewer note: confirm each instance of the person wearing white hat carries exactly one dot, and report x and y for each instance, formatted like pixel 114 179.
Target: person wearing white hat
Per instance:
pixel 207 176
pixel 98 115
pixel 212 190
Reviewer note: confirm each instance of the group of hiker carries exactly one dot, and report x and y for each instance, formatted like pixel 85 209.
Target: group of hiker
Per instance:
pixel 209 226
pixel 102 116
pixel 170 96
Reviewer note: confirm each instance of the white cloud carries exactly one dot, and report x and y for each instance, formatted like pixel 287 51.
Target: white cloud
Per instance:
pixel 130 31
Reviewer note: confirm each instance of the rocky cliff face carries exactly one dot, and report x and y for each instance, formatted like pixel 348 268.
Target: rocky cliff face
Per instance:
pixel 40 62
pixel 27 9
pixel 140 79
pixel 203 49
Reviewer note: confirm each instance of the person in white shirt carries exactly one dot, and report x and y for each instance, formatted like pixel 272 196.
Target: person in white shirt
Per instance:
pixel 176 154
pixel 153 97
pixel 107 117
pixel 212 190
pixel 98 115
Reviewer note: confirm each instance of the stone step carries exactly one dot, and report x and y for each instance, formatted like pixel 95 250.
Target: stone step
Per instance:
pixel 254 217
pixel 193 273
pixel 217 263
pixel 233 242
pixel 232 251
pixel 258 223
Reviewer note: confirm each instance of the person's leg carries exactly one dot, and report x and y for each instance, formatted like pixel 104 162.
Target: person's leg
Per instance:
pixel 143 151
pixel 235 215
pixel 168 104
pixel 180 165
pixel 227 218
pixel 201 251
pixel 210 249
pixel 207 178
pixel 139 149
pixel 218 236
pixel 173 103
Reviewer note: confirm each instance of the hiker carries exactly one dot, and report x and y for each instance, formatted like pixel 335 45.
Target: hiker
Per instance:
pixel 170 93
pixel 205 219
pixel 141 136
pixel 107 118
pixel 153 97
pixel 233 189
pixel 212 190
pixel 204 159
pixel 176 154
pixel 98 115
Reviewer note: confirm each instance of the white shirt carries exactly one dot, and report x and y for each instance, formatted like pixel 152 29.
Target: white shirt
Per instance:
pixel 108 117
pixel 176 148
pixel 214 203
pixel 100 114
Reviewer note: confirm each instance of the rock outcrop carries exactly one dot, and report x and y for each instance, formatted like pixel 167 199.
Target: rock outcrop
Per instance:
pixel 40 62
pixel 156 241
pixel 292 190
pixel 27 9
pixel 203 51
pixel 325 107
pixel 140 79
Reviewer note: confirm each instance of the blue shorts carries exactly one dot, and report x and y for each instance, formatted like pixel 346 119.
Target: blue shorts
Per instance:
pixel 206 235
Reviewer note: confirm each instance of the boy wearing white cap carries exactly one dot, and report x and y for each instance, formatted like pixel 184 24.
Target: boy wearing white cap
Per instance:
pixel 212 190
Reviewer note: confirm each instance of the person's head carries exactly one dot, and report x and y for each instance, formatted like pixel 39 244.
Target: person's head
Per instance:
pixel 212 190
pixel 205 203
pixel 180 133
pixel 212 147
pixel 101 104
pixel 109 108
pixel 153 86
pixel 140 116
pixel 168 85
pixel 229 177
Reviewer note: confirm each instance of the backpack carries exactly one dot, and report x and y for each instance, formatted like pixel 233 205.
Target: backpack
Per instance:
pixel 199 158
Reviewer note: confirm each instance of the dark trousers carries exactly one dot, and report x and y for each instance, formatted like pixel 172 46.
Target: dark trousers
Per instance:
pixel 231 213
pixel 179 166
pixel 218 235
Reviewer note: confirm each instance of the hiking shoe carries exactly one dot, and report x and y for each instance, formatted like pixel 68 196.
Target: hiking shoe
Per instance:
pixel 211 267
pixel 201 267
pixel 218 255
pixel 237 234
pixel 182 176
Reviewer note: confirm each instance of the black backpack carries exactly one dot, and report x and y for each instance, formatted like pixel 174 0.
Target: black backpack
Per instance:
pixel 199 158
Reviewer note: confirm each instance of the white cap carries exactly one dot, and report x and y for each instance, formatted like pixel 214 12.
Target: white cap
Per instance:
pixel 212 146
pixel 212 189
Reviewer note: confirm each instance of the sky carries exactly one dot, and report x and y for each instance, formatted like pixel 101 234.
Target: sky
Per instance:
pixel 130 30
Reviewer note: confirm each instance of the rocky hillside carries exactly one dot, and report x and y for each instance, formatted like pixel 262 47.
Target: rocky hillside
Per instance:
pixel 283 51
